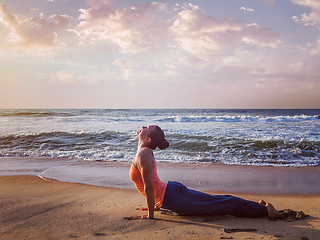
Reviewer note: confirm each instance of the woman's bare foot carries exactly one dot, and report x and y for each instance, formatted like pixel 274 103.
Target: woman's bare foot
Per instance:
pixel 262 203
pixel 272 212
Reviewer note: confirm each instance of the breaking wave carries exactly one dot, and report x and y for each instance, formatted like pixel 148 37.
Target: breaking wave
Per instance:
pixel 120 146
pixel 239 118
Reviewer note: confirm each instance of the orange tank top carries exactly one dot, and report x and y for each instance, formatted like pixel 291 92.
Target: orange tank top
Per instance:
pixel 158 185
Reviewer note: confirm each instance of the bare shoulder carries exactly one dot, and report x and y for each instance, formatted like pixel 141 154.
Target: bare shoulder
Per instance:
pixel 145 152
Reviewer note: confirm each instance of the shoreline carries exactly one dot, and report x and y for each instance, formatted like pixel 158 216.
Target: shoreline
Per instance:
pixel 32 208
pixel 203 177
pixel 51 180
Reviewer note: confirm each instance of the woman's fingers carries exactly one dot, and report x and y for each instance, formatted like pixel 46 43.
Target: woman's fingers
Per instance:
pixel 142 208
pixel 146 209
pixel 136 217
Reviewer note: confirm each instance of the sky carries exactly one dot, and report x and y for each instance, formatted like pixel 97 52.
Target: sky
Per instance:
pixel 159 54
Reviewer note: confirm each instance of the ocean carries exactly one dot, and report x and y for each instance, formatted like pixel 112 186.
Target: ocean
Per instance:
pixel 259 137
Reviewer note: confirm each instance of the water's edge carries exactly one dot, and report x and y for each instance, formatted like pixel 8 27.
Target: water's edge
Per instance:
pixel 204 177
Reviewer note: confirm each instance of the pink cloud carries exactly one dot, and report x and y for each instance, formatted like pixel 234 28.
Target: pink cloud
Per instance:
pixel 256 34
pixel 32 31
pixel 203 35
pixel 132 29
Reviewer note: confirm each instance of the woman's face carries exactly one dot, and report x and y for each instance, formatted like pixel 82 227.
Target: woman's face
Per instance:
pixel 145 132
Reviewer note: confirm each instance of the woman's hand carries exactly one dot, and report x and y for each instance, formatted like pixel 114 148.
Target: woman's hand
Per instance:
pixel 146 209
pixel 138 217
pixel 142 217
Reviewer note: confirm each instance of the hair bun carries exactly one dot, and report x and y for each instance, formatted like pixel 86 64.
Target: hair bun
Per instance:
pixel 163 145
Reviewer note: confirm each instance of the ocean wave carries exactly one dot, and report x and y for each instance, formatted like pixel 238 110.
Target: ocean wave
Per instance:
pixel 288 137
pixel 157 116
pixel 234 144
pixel 106 145
pixel 273 151
pixel 34 114
pixel 239 118
pixel 126 119
pixel 61 140
pixel 273 148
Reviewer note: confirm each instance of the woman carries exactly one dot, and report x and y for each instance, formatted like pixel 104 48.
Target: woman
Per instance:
pixel 175 196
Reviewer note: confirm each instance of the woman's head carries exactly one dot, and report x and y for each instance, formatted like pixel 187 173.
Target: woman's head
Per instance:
pixel 158 139
pixel 156 135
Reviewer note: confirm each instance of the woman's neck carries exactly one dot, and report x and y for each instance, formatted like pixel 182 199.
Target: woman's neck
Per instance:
pixel 142 145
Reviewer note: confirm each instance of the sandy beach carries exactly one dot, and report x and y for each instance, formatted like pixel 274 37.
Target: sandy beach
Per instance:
pixel 34 208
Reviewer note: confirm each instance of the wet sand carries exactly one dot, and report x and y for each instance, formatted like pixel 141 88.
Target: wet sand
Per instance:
pixel 34 208
pixel 204 177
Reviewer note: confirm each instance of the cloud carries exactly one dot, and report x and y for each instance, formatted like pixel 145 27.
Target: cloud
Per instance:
pixel 308 19
pixel 132 29
pixel 247 9
pixel 203 35
pixel 259 35
pixel 147 27
pixel 28 32
pixel 186 29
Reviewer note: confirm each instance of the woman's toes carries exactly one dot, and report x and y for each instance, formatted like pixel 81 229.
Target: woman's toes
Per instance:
pixel 262 202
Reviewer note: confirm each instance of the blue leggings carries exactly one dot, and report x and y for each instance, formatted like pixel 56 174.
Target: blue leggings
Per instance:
pixel 178 198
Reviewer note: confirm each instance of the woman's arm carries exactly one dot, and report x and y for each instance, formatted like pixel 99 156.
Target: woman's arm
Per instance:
pixel 146 164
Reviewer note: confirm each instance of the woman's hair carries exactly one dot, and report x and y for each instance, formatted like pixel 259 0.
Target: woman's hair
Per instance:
pixel 158 139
